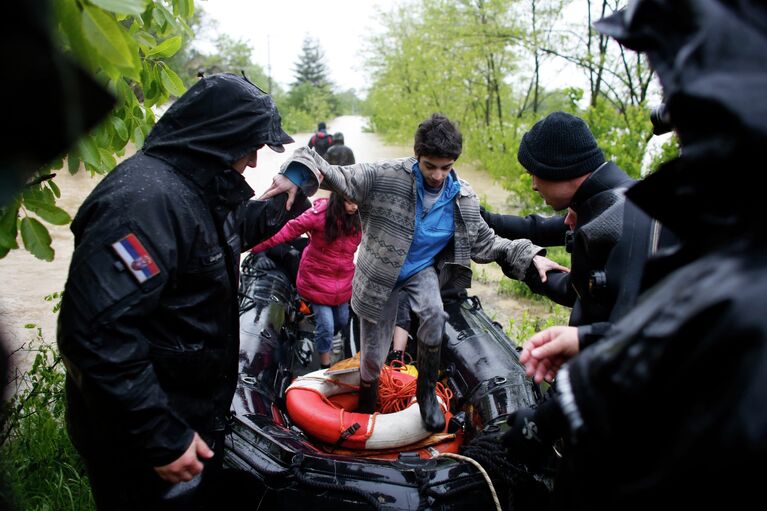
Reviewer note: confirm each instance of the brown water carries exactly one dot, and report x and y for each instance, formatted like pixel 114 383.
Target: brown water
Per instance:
pixel 27 280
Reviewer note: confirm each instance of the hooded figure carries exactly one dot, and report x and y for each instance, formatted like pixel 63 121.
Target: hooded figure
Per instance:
pixel 339 153
pixel 149 324
pixel 669 409
pixel 321 140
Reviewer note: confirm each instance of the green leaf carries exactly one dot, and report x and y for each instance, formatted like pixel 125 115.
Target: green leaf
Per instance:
pixel 120 128
pixel 135 7
pixel 73 162
pixel 158 17
pixel 9 225
pixel 48 212
pixel 138 136
pixel 36 238
pixel 89 151
pixel 106 37
pixel 184 8
pixel 47 195
pixel 54 188
pixel 70 26
pixel 171 81
pixel 56 164
pixel 167 48
pixel 108 161
pixel 145 39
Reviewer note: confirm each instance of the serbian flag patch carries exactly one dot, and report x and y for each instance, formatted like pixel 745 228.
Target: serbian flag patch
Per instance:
pixel 136 258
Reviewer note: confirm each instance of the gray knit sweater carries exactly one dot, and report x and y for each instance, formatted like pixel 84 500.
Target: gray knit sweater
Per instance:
pixel 385 192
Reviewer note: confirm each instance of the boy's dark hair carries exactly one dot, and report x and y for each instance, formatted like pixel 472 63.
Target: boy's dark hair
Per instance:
pixel 438 136
pixel 337 221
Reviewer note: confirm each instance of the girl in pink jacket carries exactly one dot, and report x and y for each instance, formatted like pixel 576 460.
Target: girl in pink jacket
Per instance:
pixel 327 264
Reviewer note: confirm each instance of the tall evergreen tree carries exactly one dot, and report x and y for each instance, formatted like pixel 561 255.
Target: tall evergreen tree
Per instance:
pixel 311 67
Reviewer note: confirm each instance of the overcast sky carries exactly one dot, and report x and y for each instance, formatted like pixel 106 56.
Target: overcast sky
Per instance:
pixel 339 25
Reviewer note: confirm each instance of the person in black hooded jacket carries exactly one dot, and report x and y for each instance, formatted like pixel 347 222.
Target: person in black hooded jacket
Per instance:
pixel 668 410
pixel 149 324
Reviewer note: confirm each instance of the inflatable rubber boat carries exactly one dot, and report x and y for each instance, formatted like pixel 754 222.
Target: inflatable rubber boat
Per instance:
pixel 297 442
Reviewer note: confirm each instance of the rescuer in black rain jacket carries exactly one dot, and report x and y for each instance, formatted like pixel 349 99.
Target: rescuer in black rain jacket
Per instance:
pixel 668 410
pixel 149 326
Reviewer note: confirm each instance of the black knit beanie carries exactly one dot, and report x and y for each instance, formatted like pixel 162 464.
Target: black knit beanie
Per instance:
pixel 559 147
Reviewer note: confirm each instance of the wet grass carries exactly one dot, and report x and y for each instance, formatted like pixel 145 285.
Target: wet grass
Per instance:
pixel 39 467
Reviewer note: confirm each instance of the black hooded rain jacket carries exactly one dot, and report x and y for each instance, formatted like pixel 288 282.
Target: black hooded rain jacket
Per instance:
pixel 149 320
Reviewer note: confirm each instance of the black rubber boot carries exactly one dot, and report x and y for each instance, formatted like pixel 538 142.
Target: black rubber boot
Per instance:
pixel 368 397
pixel 428 367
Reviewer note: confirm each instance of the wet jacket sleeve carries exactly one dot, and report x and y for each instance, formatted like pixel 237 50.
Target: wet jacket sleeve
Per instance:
pixel 293 229
pixel 518 254
pixel 263 219
pixel 352 181
pixel 557 287
pixel 543 231
pixel 593 333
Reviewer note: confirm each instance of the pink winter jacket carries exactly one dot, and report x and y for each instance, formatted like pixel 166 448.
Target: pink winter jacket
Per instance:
pixel 326 269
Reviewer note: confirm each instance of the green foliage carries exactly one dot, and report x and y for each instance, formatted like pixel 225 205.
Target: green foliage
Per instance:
pixel 311 97
pixel 305 105
pixel 623 136
pixel 124 45
pixel 38 465
pixel 229 56
pixel 487 83
pixel 668 151
pixel 55 298
pixel 348 103
pixel 523 328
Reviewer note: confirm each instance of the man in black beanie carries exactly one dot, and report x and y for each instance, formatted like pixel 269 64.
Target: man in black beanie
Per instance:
pixel 570 172
pixel 560 147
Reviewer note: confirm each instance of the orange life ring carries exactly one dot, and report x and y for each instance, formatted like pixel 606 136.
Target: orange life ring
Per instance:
pixel 311 410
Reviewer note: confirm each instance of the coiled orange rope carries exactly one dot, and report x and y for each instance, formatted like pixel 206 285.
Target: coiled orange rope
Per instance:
pixel 395 395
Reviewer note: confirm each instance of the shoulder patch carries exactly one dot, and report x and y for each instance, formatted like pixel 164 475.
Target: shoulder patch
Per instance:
pixel 136 258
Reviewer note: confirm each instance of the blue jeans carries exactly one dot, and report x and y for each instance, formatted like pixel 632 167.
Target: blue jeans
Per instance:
pixel 329 319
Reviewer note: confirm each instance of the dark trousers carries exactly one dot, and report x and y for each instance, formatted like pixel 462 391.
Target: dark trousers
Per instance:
pixel 423 292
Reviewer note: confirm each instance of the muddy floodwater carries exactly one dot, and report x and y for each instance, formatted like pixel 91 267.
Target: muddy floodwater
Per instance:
pixel 26 280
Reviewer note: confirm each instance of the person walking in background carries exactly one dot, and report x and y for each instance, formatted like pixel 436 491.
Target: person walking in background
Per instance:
pixel 339 153
pixel 149 320
pixel 327 264
pixel 422 228
pixel 321 140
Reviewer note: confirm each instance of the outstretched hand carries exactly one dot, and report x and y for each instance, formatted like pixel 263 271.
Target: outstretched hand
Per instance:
pixel 281 184
pixel 544 264
pixel 545 352
pixel 188 465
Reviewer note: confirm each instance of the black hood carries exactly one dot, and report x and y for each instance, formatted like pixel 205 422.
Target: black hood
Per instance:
pixel 220 119
pixel 709 56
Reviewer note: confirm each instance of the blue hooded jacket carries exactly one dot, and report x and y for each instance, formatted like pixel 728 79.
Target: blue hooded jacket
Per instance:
pixel 432 231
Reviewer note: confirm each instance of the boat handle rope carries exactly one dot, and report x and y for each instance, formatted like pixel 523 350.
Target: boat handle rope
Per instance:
pixel 481 471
